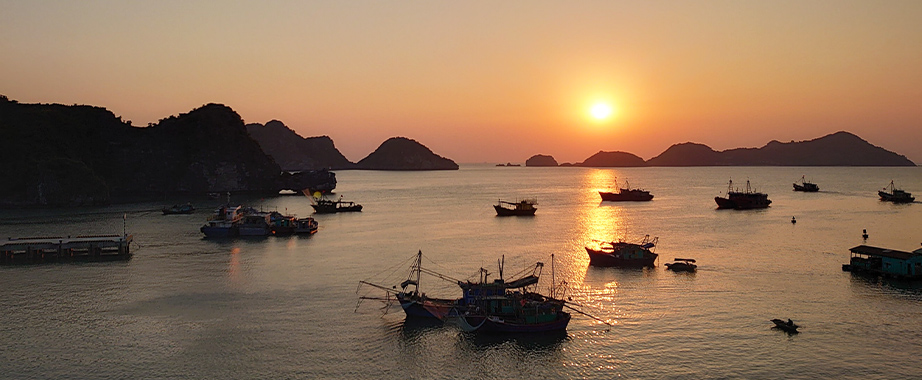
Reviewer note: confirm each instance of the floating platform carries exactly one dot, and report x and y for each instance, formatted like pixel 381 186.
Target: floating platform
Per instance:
pixel 69 248
pixel 885 262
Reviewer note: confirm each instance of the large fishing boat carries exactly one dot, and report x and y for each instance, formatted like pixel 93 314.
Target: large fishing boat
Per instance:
pixel 805 186
pixel 622 254
pixel 525 207
pixel 892 194
pixel 509 307
pixel 626 194
pixel 742 200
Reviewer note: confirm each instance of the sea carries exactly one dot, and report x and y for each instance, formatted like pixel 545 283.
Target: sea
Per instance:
pixel 188 307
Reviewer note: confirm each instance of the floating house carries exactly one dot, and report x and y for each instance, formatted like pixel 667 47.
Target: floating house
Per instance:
pixel 89 247
pixel 885 262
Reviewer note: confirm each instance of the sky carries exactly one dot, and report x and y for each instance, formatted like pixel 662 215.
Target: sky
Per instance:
pixel 488 81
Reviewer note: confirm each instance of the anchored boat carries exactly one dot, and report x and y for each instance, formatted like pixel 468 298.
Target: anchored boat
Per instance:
pixel 626 194
pixel 742 200
pixel 622 254
pixel 805 186
pixel 525 207
pixel 892 194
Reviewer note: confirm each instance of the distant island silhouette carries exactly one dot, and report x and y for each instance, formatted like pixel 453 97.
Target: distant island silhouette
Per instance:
pixel 837 149
pixel 296 153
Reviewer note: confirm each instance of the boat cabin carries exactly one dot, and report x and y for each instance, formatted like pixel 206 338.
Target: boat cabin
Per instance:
pixel 886 262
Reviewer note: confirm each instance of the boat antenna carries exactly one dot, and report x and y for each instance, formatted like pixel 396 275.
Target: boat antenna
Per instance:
pixel 501 262
pixel 125 224
pixel 419 264
pixel 553 279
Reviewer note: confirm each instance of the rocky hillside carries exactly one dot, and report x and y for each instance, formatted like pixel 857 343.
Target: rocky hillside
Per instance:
pixel 541 160
pixel 295 153
pixel 401 153
pixel 837 149
pixel 612 159
pixel 58 155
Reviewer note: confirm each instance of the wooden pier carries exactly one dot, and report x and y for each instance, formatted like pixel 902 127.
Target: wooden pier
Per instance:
pixel 78 248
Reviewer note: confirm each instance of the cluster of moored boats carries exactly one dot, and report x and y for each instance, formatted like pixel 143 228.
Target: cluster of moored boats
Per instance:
pixel 228 221
pixel 233 221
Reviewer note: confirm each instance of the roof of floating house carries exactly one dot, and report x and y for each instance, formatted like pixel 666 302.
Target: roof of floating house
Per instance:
pixel 884 252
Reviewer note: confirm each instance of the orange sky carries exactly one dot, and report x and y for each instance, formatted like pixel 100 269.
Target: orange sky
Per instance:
pixel 488 81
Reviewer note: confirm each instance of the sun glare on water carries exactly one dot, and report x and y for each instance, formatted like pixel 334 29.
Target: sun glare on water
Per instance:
pixel 601 111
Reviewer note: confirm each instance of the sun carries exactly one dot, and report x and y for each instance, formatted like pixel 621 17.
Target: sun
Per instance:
pixel 601 111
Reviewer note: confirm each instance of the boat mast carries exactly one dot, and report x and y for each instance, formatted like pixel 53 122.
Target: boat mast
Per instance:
pixel 419 264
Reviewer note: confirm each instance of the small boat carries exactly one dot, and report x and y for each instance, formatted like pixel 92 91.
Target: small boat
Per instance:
pixel 622 254
pixel 306 226
pixel 742 200
pixel 788 326
pixel 178 209
pixel 806 186
pixel 682 265
pixel 325 206
pixel 626 194
pixel 525 207
pixel 892 194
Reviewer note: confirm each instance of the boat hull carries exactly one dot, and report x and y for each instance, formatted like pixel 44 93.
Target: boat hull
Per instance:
pixel 428 308
pixel 807 187
pixel 887 197
pixel 681 267
pixel 608 259
pixel 502 211
pixel 219 231
pixel 741 203
pixel 625 197
pixel 494 325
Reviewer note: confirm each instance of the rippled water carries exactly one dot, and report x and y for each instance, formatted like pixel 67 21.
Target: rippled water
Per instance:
pixel 188 307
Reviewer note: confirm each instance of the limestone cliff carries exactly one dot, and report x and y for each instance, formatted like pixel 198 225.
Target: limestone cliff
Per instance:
pixel 295 153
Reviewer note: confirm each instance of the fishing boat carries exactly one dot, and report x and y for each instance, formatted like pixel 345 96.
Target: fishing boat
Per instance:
pixel 254 224
pixel 626 194
pixel 742 200
pixel 325 206
pixel 509 307
pixel 892 194
pixel 682 265
pixel 805 186
pixel 415 303
pixel 223 223
pixel 178 209
pixel 306 226
pixel 281 224
pixel 525 207
pixel 622 254
pixel 788 326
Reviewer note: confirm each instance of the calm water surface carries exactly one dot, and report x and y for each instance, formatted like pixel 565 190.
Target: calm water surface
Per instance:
pixel 188 307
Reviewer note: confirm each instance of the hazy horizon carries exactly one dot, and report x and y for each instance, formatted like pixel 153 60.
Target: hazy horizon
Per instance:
pixel 488 82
